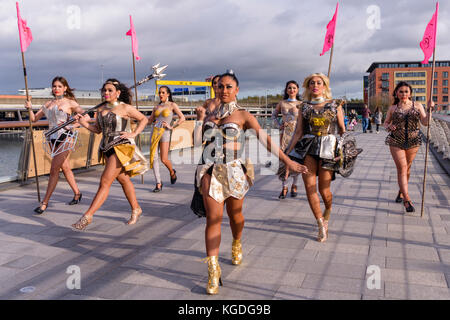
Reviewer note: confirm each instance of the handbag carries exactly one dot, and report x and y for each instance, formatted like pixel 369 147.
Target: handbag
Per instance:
pixel 197 205
pixel 327 147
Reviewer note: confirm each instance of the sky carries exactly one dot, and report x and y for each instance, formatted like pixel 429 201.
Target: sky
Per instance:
pixel 265 42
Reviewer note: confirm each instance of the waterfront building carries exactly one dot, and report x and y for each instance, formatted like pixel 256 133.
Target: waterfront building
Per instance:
pixel 384 76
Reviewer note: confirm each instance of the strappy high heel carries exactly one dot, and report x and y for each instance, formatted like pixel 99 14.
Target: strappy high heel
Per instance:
pixel 399 198
pixel 173 178
pixel 283 193
pixel 294 191
pixel 39 209
pixel 158 189
pixel 410 207
pixel 76 201
pixel 214 275
pixel 82 223
pixel 323 230
pixel 135 214
pixel 236 252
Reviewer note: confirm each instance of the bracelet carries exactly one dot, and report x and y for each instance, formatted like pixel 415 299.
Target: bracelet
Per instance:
pixel 198 123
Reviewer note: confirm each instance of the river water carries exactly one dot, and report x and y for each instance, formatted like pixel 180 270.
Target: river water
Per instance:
pixel 10 148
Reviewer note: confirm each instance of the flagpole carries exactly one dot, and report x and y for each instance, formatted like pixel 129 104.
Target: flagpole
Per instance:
pixel 331 59
pixel 136 102
pixel 31 126
pixel 428 134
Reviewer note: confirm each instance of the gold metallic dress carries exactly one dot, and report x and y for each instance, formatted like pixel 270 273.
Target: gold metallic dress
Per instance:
pixel 129 155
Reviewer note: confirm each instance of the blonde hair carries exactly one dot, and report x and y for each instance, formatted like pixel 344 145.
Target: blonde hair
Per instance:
pixel 326 82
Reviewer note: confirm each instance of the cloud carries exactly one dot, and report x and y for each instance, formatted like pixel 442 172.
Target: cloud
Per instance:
pixel 266 42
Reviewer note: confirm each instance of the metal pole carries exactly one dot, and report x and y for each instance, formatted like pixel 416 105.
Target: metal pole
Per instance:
pixel 428 134
pixel 136 102
pixel 331 59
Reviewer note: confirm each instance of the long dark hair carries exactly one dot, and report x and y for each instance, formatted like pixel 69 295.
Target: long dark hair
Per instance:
pixel 168 91
pixel 125 92
pixel 69 92
pixel 398 86
pixel 286 95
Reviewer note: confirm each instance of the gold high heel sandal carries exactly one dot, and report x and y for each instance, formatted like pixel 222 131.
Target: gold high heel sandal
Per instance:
pixel 135 214
pixel 323 230
pixel 214 275
pixel 236 252
pixel 82 223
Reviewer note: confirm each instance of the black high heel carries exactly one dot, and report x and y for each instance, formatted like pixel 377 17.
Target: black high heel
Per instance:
pixel 158 189
pixel 410 207
pixel 399 199
pixel 173 180
pixel 39 209
pixel 283 193
pixel 294 191
pixel 75 201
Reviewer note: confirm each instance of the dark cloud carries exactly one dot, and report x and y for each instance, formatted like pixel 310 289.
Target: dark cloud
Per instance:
pixel 266 42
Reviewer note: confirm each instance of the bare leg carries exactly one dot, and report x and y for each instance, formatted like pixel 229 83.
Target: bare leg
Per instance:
pixel 410 156
pixel 128 189
pixel 214 215
pixel 309 179
pixel 234 210
pixel 68 173
pixel 325 177
pixel 401 163
pixel 112 170
pixel 57 163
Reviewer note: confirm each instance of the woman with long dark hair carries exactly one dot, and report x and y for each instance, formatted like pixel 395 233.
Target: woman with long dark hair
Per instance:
pixel 314 143
pixel 223 177
pixel 118 149
pixel 403 124
pixel 161 119
pixel 62 142
pixel 289 113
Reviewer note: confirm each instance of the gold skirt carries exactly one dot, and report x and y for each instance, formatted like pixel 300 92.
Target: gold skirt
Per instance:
pixel 228 179
pixel 132 159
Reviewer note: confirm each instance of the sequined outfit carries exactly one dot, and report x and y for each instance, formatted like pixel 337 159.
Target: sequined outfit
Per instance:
pixel 406 134
pixel 317 126
pixel 231 176
pixel 111 124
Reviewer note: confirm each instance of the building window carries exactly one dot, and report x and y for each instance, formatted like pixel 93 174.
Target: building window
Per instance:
pixel 445 83
pixel 420 90
pixel 385 76
pixel 445 99
pixel 445 90
pixel 410 74
pixel 435 83
pixel 385 84
pixel 420 98
pixel 435 74
pixel 435 91
pixel 445 74
pixel 434 98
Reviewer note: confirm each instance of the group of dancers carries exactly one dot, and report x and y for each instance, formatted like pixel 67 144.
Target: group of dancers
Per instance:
pixel 308 133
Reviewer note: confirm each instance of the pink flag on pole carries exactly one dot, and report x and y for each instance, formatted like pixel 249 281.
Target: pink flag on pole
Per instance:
pixel 428 42
pixel 134 42
pixel 25 35
pixel 329 37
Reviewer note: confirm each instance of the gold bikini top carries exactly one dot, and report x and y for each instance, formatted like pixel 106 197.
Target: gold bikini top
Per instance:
pixel 165 112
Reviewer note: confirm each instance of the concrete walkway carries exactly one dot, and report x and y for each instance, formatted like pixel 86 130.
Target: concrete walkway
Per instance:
pixel 160 257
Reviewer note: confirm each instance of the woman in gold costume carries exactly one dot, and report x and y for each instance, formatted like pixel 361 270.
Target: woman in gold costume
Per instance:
pixel 118 149
pixel 314 143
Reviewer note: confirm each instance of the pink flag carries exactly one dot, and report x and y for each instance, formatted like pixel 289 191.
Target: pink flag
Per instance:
pixel 25 35
pixel 134 42
pixel 428 42
pixel 329 37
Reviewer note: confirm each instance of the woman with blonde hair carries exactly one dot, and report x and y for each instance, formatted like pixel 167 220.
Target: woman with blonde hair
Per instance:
pixel 313 144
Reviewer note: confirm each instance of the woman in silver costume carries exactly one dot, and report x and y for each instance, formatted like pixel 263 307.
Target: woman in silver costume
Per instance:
pixel 223 177
pixel 118 149
pixel 57 111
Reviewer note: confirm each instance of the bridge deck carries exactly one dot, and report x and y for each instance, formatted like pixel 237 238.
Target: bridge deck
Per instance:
pixel 160 257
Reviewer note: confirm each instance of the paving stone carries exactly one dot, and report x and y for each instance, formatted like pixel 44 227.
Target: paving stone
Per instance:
pixel 24 262
pixel 409 291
